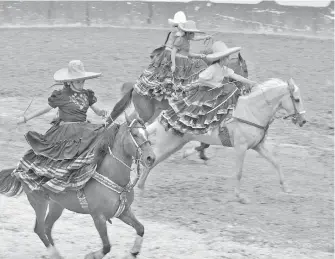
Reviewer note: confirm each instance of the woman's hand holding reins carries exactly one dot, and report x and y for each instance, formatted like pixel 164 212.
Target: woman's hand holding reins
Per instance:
pixel 249 86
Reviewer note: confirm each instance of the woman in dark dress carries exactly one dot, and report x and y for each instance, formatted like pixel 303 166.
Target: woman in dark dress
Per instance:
pixel 70 136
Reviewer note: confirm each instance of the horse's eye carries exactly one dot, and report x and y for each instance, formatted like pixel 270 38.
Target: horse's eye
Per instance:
pixel 297 100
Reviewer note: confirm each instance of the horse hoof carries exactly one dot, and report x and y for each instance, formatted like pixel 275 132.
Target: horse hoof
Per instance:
pixel 203 156
pixel 95 255
pixel 140 186
pixel 53 253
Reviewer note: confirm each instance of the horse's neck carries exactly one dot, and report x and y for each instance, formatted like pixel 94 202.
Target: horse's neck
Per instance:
pixel 112 166
pixel 260 106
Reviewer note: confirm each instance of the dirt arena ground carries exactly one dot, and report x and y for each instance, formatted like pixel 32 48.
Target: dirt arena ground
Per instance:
pixel 187 209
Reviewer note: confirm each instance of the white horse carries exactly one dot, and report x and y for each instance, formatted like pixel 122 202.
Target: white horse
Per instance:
pixel 247 129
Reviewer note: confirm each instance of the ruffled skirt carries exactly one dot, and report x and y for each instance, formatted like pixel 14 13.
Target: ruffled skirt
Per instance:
pixel 60 159
pixel 158 81
pixel 201 110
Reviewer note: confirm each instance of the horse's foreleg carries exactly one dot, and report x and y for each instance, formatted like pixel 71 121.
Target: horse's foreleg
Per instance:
pixel 100 224
pixel 143 178
pixel 165 153
pixel 165 143
pixel 240 155
pixel 129 218
pixel 264 152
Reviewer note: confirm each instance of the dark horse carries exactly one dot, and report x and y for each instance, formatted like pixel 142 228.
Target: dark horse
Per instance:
pixel 109 194
pixel 149 108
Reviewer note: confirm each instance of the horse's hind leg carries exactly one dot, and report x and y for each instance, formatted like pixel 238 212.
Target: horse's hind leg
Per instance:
pixel 100 224
pixel 264 152
pixel 240 155
pixel 40 205
pixel 201 149
pixel 129 218
pixel 55 211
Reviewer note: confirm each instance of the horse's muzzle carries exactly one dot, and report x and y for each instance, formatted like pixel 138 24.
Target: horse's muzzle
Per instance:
pixel 302 122
pixel 149 160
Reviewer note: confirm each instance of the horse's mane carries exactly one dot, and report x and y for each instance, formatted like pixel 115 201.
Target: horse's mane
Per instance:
pixel 105 140
pixel 264 86
pixel 272 82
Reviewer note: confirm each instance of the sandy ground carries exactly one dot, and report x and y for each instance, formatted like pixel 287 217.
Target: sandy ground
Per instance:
pixel 187 211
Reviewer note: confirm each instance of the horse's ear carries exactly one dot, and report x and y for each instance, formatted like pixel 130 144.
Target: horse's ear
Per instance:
pixel 290 82
pixel 127 118
pixel 240 57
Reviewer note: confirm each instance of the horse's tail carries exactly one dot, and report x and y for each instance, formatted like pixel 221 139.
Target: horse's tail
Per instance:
pixel 9 184
pixel 124 103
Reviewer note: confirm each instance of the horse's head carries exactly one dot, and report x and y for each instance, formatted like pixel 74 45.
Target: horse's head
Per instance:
pixel 292 103
pixel 136 142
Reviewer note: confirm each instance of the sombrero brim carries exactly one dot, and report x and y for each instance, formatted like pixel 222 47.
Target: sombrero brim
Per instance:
pixel 216 56
pixel 63 75
pixel 172 22
pixel 189 30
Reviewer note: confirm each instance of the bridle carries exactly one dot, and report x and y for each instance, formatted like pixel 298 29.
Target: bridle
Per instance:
pixel 296 112
pixel 139 150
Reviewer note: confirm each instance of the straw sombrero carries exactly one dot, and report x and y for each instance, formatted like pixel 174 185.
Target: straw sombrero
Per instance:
pixel 189 26
pixel 74 71
pixel 178 18
pixel 221 50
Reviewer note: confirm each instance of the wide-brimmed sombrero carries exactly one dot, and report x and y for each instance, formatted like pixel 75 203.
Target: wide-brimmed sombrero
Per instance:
pixel 74 71
pixel 178 18
pixel 221 50
pixel 189 26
